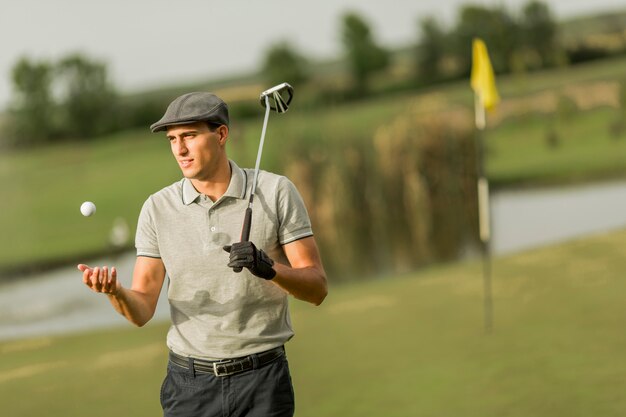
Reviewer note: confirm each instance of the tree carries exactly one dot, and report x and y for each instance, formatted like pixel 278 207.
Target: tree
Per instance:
pixel 283 63
pixel 86 95
pixel 495 26
pixel 431 49
pixel 540 31
pixel 32 108
pixel 71 98
pixel 364 55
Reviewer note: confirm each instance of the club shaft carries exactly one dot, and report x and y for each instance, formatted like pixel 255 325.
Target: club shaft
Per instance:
pixel 260 152
pixel 247 221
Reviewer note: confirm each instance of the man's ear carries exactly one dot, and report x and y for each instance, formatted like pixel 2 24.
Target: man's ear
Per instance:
pixel 223 132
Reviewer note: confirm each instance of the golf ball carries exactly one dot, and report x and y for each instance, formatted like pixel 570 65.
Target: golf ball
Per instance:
pixel 87 208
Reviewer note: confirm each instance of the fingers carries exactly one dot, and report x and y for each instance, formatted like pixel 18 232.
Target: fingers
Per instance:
pixel 95 279
pixel 244 255
pixel 99 279
pixel 86 272
pixel 104 279
pixel 242 260
pixel 241 255
pixel 241 249
pixel 114 283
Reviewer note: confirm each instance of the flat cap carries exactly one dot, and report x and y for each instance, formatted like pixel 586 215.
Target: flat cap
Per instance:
pixel 193 107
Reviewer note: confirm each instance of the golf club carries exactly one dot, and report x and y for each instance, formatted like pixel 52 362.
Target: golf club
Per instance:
pixel 277 99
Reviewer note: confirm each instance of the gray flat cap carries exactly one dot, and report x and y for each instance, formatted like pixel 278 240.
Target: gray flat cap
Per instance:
pixel 193 107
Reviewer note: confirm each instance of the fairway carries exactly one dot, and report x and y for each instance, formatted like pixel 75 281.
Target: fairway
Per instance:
pixel 402 346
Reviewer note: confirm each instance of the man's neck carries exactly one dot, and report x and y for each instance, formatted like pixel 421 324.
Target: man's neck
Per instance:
pixel 215 187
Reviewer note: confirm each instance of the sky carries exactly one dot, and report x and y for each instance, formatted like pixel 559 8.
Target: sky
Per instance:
pixel 152 43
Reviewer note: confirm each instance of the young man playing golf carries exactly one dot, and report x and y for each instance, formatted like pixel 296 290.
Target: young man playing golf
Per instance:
pixel 228 328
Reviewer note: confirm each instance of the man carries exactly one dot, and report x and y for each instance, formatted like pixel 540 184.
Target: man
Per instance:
pixel 228 328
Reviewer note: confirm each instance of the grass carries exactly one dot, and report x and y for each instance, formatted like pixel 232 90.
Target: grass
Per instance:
pixel 41 189
pixel 519 153
pixel 410 345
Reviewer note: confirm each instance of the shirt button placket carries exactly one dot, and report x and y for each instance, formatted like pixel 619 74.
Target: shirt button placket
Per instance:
pixel 212 225
pixel 205 231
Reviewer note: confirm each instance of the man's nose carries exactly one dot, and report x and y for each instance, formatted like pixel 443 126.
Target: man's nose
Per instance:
pixel 180 147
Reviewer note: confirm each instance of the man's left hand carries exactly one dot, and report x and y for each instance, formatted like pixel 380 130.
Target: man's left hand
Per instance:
pixel 246 255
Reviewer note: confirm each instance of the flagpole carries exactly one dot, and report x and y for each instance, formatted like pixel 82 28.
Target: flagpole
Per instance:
pixel 486 96
pixel 484 218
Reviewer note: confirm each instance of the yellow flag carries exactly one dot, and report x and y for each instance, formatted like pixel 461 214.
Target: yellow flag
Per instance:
pixel 483 81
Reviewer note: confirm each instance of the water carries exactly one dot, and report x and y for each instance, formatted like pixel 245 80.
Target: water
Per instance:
pixel 533 218
pixel 58 302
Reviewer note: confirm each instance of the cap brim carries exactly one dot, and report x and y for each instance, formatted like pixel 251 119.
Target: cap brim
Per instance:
pixel 162 126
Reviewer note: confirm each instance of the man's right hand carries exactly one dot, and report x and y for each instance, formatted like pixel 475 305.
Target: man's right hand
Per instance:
pixel 99 280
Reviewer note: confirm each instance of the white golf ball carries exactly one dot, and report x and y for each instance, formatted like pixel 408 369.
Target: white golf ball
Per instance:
pixel 87 208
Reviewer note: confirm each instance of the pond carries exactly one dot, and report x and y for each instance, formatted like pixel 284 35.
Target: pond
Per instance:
pixel 532 218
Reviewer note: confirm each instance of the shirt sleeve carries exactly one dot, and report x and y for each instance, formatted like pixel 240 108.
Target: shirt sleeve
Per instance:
pixel 293 218
pixel 146 240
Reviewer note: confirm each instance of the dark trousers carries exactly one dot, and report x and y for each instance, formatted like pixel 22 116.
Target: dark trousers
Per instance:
pixel 264 392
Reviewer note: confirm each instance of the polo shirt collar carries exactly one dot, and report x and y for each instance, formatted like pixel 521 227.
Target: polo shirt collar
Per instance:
pixel 236 187
pixel 238 182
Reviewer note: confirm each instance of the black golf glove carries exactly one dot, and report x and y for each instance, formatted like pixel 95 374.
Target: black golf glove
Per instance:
pixel 246 255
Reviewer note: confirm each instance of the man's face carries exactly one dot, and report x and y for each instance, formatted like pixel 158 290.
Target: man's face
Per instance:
pixel 197 149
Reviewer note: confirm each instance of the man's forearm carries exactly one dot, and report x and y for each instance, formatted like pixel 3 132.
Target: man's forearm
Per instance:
pixel 133 305
pixel 307 284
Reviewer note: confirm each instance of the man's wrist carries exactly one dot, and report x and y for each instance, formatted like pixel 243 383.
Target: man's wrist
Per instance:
pixel 117 293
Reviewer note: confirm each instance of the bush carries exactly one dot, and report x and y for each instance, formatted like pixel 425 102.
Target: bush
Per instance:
pixel 401 199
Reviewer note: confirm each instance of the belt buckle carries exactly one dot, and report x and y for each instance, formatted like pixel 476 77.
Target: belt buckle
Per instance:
pixel 224 368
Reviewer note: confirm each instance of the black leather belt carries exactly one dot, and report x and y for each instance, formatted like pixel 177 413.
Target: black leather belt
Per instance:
pixel 227 366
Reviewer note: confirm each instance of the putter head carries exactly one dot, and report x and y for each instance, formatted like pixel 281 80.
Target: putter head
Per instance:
pixel 279 97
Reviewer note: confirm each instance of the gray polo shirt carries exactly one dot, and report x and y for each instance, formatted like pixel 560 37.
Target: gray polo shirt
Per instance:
pixel 217 313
